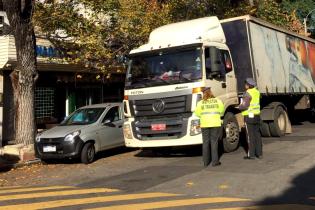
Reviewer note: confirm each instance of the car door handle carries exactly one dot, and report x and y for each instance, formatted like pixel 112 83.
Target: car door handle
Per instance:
pixel 120 126
pixel 223 85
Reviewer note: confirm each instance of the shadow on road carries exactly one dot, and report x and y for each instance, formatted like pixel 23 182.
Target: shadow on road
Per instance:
pixel 302 191
pixel 100 155
pixel 169 152
pixel 7 162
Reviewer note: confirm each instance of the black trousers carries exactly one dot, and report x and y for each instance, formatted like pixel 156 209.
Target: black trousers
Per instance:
pixel 210 138
pixel 253 136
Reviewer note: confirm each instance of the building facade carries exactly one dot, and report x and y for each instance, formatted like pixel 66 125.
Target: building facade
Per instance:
pixel 60 89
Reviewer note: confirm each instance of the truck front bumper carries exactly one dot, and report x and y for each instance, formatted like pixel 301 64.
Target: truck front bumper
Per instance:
pixel 184 140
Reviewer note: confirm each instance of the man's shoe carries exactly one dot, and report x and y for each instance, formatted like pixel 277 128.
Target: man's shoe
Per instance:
pixel 249 158
pixel 260 157
pixel 216 164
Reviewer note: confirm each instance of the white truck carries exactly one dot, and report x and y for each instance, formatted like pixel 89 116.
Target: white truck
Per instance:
pixel 165 78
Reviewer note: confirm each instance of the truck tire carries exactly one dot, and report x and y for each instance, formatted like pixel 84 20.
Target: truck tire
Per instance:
pixel 231 134
pixel 264 129
pixel 88 153
pixel 278 125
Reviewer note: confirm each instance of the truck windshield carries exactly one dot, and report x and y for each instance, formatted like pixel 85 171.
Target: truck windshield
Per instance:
pixel 164 68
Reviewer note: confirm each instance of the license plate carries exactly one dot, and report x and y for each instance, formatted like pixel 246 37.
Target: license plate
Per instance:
pixel 49 149
pixel 158 127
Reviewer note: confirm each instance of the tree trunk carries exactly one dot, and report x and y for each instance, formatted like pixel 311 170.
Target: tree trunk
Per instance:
pixel 24 75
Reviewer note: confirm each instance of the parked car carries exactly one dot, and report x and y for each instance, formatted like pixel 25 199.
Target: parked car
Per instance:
pixel 82 134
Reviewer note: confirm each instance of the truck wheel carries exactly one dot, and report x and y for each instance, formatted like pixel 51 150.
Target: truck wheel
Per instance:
pixel 264 129
pixel 88 153
pixel 278 125
pixel 231 134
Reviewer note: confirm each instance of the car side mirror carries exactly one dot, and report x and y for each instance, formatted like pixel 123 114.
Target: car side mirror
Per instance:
pixel 108 123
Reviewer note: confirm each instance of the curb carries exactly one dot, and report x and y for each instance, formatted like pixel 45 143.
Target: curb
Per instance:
pixel 19 164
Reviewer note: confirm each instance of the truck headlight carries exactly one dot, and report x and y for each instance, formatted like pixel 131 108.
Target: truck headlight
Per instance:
pixel 70 137
pixel 195 127
pixel 127 131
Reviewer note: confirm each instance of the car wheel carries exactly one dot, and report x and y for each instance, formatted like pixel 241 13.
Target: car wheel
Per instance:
pixel 88 153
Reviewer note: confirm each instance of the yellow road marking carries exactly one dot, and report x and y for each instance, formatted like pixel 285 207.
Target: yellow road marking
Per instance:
pixel 11 187
pixel 55 193
pixel 172 203
pixel 15 190
pixel 78 201
pixel 271 207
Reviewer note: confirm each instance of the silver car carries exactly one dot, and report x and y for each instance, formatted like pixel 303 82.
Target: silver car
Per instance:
pixel 82 134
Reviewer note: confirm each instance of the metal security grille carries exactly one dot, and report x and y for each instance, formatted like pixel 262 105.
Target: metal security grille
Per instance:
pixel 44 102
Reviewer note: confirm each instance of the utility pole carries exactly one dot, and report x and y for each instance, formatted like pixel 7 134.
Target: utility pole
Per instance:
pixel 305 20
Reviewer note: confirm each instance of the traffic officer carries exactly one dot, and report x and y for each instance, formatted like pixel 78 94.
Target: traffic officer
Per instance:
pixel 250 107
pixel 210 110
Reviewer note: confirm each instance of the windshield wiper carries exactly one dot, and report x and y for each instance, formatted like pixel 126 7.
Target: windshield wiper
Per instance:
pixel 162 80
pixel 186 79
pixel 142 82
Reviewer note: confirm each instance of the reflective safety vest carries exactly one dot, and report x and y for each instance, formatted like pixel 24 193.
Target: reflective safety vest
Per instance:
pixel 210 112
pixel 254 106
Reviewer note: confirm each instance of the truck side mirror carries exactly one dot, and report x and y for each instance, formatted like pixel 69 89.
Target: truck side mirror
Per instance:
pixel 216 63
pixel 228 65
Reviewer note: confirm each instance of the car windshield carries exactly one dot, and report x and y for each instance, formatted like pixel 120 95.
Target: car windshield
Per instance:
pixel 84 116
pixel 164 68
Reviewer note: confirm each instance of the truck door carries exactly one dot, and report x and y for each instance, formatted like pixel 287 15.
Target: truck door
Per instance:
pixel 219 72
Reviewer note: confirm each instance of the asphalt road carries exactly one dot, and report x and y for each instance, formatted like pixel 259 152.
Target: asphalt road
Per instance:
pixel 136 179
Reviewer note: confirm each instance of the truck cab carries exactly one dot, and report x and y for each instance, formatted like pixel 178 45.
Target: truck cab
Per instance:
pixel 164 82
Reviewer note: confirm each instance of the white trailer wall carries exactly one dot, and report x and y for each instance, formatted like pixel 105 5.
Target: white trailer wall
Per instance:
pixel 283 63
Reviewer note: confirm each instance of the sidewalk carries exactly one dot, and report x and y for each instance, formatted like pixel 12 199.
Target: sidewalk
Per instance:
pixel 12 156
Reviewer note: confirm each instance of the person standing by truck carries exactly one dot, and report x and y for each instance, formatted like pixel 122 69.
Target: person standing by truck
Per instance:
pixel 210 110
pixel 250 107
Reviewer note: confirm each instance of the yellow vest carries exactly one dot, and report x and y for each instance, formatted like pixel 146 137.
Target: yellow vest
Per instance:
pixel 210 112
pixel 254 106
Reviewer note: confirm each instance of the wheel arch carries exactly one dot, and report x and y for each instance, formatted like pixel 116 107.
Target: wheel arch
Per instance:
pixel 238 115
pixel 97 147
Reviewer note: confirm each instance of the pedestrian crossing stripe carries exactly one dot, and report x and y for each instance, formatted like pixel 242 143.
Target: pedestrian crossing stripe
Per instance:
pixel 31 189
pixel 136 201
pixel 172 203
pixel 55 193
pixel 270 207
pixel 13 187
pixel 80 201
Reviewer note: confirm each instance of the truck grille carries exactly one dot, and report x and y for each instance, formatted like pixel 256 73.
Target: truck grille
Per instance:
pixel 176 127
pixel 171 105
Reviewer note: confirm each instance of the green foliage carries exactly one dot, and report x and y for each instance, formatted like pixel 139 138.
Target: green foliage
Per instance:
pixel 94 33
pixel 271 11
pixel 189 9
pixel 302 8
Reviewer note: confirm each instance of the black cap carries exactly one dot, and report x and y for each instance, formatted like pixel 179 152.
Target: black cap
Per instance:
pixel 250 81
